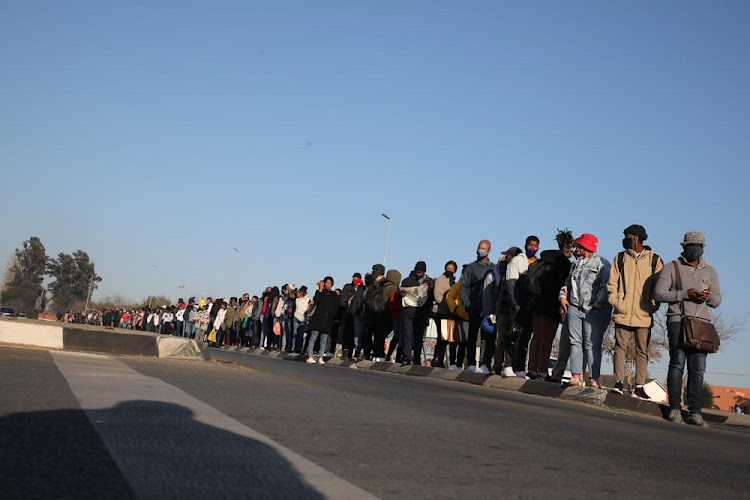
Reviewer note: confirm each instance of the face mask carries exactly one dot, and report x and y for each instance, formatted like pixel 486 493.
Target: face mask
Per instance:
pixel 627 243
pixel 692 254
pixel 530 253
pixel 482 253
pixel 448 274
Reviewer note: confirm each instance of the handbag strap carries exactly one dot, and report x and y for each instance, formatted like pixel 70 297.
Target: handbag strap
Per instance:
pixel 678 279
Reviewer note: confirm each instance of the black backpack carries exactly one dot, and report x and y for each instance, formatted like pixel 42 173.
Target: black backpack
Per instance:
pixel 529 284
pixel 377 301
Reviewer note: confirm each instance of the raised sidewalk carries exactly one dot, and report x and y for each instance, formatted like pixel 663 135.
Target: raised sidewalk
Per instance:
pixel 90 338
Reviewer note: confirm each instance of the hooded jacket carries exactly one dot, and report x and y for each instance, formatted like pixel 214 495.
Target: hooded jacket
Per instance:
pixel 390 284
pixel 630 290
pixel 551 281
pixel 326 309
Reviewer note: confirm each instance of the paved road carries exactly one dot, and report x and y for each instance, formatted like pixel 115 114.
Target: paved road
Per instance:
pixel 278 428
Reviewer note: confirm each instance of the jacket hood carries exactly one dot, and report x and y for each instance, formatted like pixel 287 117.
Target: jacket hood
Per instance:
pixel 550 256
pixel 393 276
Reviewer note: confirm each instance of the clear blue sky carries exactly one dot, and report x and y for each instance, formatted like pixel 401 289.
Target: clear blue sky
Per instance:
pixel 168 133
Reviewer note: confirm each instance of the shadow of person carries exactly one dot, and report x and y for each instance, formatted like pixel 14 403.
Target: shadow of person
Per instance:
pixel 138 449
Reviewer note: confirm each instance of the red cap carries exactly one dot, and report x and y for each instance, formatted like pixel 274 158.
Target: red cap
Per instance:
pixel 587 241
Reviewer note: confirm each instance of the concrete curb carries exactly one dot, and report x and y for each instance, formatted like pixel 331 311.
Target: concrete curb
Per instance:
pixel 587 395
pixel 89 338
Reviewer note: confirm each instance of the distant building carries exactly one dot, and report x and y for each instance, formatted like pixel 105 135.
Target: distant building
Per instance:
pixel 728 398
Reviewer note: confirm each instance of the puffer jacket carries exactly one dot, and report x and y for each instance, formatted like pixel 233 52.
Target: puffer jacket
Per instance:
pixel 453 298
pixel 631 290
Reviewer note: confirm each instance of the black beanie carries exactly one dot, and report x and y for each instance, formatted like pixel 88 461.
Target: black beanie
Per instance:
pixel 420 266
pixel 637 230
pixel 378 270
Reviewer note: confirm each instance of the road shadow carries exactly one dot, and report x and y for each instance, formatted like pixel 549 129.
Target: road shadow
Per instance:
pixel 157 450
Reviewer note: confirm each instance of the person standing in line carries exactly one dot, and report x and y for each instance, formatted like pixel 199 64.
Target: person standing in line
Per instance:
pixel 583 304
pixel 326 303
pixel 440 310
pixel 472 283
pixel 630 290
pixel 688 284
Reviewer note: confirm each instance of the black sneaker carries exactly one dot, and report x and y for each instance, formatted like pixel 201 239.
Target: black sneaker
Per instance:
pixel 640 393
pixel 618 387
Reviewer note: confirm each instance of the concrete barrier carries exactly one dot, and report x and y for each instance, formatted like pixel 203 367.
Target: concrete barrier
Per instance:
pixel 90 338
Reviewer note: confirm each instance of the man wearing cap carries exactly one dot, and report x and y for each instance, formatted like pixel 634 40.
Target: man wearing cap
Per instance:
pixel 583 303
pixel 414 316
pixel 472 283
pixel 699 287
pixel 511 265
pixel 630 290
pixel 351 300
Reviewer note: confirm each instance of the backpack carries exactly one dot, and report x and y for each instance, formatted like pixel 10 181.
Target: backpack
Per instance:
pixel 378 303
pixel 529 285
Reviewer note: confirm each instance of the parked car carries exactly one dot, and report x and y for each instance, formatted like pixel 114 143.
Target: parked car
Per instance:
pixel 8 312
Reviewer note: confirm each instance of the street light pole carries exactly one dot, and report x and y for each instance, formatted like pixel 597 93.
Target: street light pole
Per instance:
pixel 387 237
pixel 151 296
pixel 236 272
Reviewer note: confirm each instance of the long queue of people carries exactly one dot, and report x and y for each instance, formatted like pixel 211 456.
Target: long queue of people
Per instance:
pixel 499 317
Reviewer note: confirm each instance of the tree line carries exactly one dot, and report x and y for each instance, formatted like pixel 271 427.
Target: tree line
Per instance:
pixel 73 280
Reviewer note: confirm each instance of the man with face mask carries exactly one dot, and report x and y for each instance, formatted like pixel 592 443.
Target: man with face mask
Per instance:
pixel 440 310
pixel 414 317
pixel 699 287
pixel 630 291
pixel 472 282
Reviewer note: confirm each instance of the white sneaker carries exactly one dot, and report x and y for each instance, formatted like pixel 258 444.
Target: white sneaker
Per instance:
pixel 311 361
pixel 472 368
pixel 321 361
pixel 484 370
pixel 509 373
pixel 454 367
pixel 380 360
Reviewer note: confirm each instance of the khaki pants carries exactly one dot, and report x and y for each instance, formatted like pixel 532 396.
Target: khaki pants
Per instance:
pixel 642 338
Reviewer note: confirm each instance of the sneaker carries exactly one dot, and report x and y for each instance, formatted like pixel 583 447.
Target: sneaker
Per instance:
pixel 483 370
pixel 531 376
pixel 594 383
pixel 311 361
pixel 520 374
pixel 380 360
pixel 454 368
pixel 675 415
pixel 639 393
pixel 696 419
pixel 509 373
pixel 551 379
pixel 472 368
pixel 618 387
pixel 321 361
pixel 575 380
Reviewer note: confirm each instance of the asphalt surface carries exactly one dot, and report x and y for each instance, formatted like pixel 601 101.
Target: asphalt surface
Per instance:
pixel 390 435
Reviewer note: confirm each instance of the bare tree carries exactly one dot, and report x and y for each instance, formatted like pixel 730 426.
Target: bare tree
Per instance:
pixel 658 347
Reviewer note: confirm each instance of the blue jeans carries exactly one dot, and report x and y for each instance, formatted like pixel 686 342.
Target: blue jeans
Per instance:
pixel 190 330
pixel 696 365
pixel 586 331
pixel 299 334
pixel 323 342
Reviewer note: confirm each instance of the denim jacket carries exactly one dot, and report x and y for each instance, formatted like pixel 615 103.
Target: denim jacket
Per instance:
pixel 591 277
